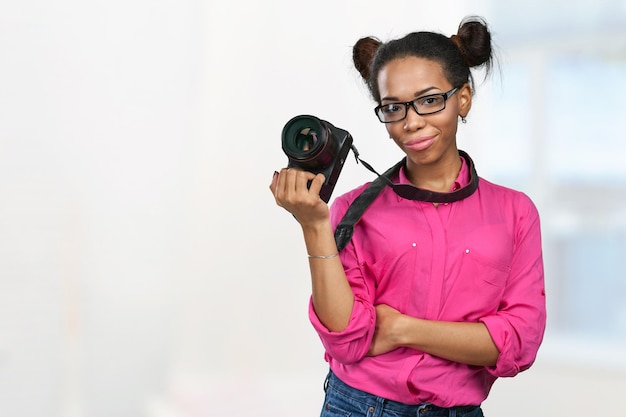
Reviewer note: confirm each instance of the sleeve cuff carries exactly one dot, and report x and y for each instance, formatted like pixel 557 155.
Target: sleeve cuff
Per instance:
pixel 503 336
pixel 352 343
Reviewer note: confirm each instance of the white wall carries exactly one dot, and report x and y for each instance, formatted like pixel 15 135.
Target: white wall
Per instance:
pixel 144 267
pixel 97 109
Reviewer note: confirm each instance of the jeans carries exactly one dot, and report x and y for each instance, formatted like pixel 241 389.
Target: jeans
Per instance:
pixel 345 401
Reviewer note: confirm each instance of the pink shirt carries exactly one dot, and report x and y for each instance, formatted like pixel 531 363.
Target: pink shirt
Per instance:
pixel 475 260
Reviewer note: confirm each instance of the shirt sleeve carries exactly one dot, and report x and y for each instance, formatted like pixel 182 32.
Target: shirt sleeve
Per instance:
pixel 352 343
pixel 517 328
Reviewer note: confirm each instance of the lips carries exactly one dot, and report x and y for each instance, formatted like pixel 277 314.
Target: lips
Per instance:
pixel 419 144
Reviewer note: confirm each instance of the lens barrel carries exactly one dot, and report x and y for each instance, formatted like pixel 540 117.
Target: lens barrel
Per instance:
pixel 307 142
pixel 316 146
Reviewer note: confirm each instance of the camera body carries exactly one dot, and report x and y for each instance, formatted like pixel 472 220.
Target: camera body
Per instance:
pixel 316 146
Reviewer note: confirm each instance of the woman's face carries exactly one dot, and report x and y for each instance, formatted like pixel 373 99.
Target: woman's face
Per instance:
pixel 430 138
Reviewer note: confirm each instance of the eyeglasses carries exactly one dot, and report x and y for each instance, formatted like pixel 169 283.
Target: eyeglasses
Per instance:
pixel 394 112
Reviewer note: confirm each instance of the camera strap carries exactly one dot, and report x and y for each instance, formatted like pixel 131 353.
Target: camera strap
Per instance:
pixel 345 228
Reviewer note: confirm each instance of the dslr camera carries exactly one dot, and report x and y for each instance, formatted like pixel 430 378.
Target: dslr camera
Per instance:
pixel 316 146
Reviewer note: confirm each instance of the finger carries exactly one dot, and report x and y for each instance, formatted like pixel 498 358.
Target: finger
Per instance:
pixel 277 186
pixel 289 179
pixel 302 182
pixel 274 182
pixel 316 183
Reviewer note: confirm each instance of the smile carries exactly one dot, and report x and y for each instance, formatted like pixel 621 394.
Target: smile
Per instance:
pixel 419 144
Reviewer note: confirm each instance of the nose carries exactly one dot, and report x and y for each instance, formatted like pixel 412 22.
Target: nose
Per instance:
pixel 413 121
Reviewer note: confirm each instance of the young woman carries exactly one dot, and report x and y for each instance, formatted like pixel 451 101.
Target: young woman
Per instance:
pixel 430 301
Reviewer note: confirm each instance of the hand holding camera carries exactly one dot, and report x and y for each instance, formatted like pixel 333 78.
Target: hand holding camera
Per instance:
pixel 316 151
pixel 317 146
pixel 297 191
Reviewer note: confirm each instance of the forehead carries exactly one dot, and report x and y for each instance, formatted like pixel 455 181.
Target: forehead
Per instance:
pixel 403 77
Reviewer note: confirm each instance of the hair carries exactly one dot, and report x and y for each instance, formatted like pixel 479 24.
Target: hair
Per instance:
pixel 470 47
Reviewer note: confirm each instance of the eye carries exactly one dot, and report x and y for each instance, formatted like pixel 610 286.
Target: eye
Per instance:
pixel 391 108
pixel 430 101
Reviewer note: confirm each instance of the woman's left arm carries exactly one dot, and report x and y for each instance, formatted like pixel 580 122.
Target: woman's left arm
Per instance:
pixel 468 343
pixel 507 341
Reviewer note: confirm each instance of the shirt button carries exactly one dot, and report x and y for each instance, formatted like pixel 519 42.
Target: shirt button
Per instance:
pixel 414 244
pixel 466 250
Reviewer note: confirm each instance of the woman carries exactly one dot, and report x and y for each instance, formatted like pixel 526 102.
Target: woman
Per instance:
pixel 429 302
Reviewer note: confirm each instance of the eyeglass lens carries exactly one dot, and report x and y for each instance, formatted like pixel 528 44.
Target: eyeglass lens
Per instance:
pixel 423 105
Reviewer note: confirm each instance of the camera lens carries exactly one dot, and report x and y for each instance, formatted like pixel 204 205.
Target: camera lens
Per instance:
pixel 316 146
pixel 306 142
pixel 302 136
pixel 306 139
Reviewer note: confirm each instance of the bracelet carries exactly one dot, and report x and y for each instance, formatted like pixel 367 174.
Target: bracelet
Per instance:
pixel 323 256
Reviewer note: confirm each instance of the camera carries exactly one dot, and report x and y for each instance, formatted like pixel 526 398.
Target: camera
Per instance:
pixel 316 146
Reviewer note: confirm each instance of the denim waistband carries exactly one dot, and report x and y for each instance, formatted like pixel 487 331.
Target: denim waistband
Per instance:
pixel 426 409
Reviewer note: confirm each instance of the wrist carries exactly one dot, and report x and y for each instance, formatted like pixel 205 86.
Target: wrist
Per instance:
pixel 319 239
pixel 316 227
pixel 404 331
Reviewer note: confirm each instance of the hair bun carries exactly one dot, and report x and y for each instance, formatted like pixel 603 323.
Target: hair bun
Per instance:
pixel 474 42
pixel 363 53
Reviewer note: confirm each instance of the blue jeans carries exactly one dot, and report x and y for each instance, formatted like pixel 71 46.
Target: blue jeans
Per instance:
pixel 345 401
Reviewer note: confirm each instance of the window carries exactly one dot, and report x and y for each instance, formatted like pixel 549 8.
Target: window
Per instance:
pixel 559 117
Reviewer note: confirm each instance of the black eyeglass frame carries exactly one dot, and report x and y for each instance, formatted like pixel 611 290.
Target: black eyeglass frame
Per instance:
pixel 411 103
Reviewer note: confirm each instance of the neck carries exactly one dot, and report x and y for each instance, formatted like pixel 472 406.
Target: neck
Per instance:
pixel 436 176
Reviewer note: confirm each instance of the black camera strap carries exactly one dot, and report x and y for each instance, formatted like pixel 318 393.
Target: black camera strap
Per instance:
pixel 345 228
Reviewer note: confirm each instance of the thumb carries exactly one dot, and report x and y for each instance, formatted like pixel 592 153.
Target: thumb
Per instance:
pixel 317 182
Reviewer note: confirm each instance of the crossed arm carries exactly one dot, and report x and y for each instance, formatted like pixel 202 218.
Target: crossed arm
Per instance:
pixel 333 298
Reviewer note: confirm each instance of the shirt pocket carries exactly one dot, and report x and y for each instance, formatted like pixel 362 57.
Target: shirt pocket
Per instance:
pixel 478 287
pixel 488 269
pixel 390 278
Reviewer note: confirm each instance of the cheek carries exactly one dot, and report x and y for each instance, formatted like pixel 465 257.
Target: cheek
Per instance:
pixel 454 124
pixel 394 130
pixel 448 123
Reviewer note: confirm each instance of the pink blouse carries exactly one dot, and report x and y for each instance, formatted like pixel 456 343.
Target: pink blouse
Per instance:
pixel 476 260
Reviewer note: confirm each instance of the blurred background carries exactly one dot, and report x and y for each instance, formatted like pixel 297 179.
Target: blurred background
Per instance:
pixel 144 267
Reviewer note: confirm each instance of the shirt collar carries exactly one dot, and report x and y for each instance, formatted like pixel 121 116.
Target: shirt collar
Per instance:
pixel 461 180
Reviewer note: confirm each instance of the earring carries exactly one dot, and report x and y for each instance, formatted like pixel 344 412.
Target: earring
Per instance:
pixel 463 119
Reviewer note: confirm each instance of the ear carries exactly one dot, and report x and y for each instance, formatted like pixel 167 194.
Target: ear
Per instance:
pixel 465 99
